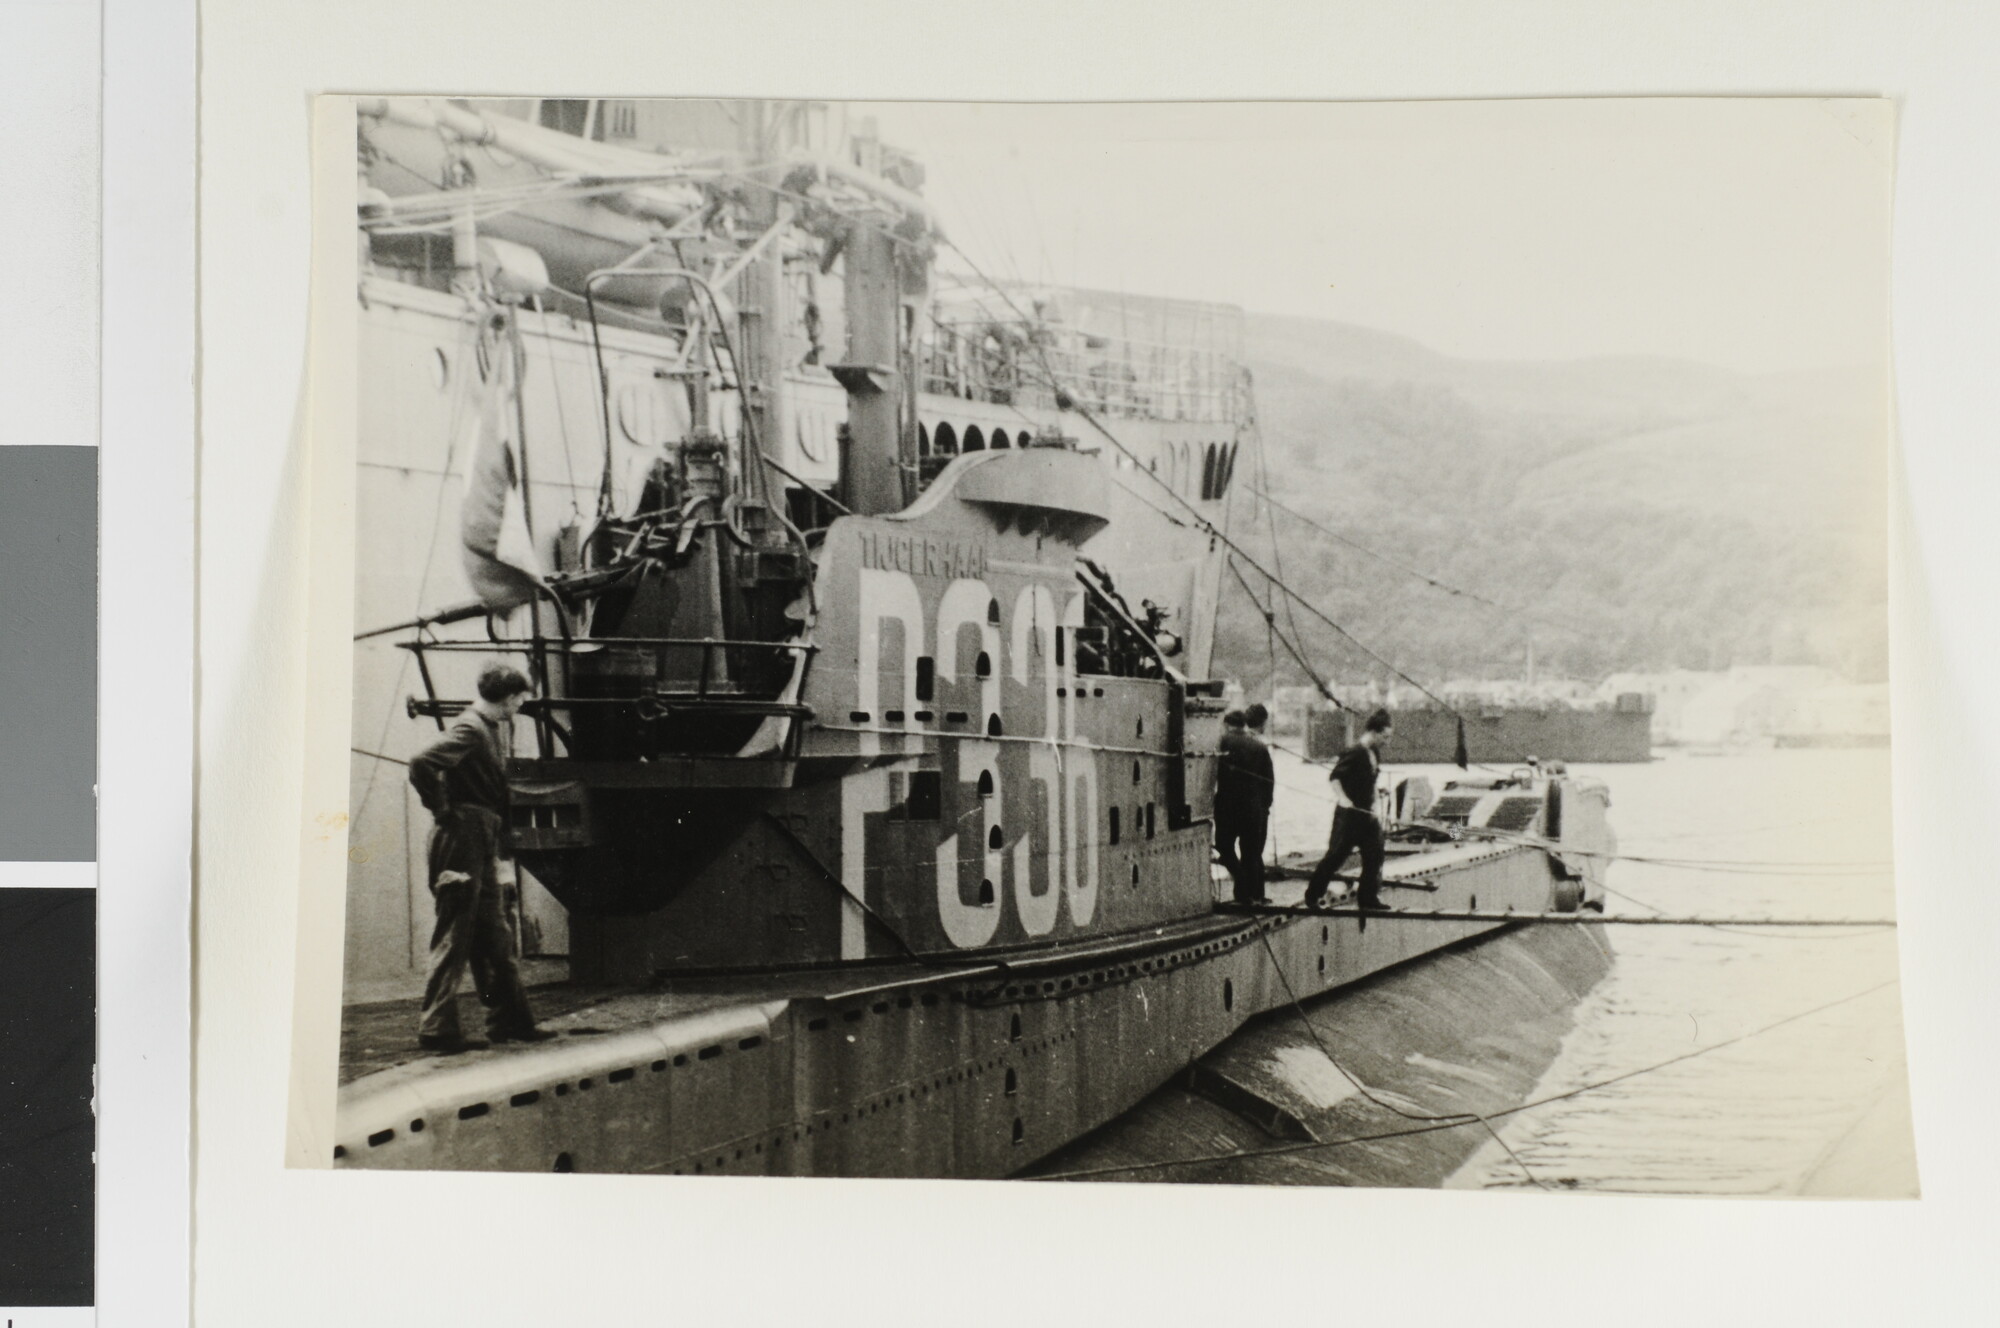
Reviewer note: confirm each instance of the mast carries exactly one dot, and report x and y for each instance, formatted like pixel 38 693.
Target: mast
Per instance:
pixel 871 461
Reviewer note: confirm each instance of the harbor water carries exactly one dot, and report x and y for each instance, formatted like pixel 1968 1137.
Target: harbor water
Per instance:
pixel 1816 1104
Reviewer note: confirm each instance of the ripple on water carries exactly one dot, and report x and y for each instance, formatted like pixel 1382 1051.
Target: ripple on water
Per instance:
pixel 1761 1116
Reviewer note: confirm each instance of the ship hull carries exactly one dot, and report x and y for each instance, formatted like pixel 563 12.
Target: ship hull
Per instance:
pixel 976 1070
pixel 1502 737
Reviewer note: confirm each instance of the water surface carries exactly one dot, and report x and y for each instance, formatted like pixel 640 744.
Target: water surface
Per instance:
pixel 1816 1105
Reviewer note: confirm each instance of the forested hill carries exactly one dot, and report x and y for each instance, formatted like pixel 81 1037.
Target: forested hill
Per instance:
pixel 1641 513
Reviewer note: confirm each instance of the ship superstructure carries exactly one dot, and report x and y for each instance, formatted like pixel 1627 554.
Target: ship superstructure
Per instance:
pixel 869 609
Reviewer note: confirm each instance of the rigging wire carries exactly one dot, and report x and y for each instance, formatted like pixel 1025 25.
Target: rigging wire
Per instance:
pixel 562 415
pixel 1204 524
pixel 1410 571
pixel 1291 647
pixel 1277 557
pixel 1053 381
pixel 1243 1154
pixel 454 425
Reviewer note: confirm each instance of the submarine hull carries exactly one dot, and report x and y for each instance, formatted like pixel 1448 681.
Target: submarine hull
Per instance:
pixel 1468 1030
pixel 981 1069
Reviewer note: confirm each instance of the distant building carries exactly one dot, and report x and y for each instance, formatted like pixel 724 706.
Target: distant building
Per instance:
pixel 1841 715
pixel 1754 704
pixel 1291 705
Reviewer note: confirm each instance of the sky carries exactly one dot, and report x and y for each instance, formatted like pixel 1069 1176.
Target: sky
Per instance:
pixel 1746 233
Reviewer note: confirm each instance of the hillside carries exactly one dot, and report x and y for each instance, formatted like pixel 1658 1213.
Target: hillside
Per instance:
pixel 1637 513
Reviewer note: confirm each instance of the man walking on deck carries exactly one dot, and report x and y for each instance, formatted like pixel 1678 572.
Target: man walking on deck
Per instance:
pixel 1243 783
pixel 462 780
pixel 1355 824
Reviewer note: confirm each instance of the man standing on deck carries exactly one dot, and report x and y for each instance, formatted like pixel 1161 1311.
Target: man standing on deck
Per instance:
pixel 1355 824
pixel 1243 783
pixel 462 780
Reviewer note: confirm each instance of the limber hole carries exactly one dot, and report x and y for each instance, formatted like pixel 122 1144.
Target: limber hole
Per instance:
pixel 565 1164
pixel 527 1099
pixel 473 1112
pixel 380 1137
pixel 709 1053
pixel 817 1025
pixel 620 1076
pixel 750 1043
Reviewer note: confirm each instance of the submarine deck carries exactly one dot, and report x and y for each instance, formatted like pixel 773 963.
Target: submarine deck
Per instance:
pixel 381 1035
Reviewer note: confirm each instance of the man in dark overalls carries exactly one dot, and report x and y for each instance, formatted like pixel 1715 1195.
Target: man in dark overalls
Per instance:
pixel 1243 783
pixel 462 780
pixel 1355 825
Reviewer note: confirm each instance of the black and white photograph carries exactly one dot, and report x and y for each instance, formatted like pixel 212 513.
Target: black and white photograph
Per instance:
pixel 1259 643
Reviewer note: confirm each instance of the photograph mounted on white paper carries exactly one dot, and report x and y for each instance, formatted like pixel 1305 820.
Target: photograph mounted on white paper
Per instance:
pixel 1280 643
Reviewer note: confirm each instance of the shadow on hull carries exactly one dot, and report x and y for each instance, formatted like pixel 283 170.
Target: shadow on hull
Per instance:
pixel 1468 1029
